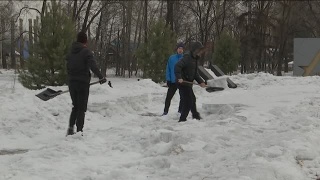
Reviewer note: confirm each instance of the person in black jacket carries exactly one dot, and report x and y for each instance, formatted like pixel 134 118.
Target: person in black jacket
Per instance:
pixel 79 63
pixel 186 71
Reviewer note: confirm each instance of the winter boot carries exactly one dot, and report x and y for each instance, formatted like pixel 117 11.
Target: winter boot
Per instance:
pixel 70 131
pixel 81 132
pixel 196 116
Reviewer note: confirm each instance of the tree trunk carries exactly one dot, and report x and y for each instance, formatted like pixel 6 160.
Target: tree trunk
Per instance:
pixel 74 11
pixel 285 19
pixel 104 57
pixel 145 21
pixel 97 39
pixel 137 35
pixel 89 44
pixel 128 33
pixel 176 19
pixel 170 13
pixel 13 46
pixel 161 9
pixel 248 34
pixel 145 29
pixel 85 21
pixel 118 50
pixel 204 31
pixel 139 42
pixel 207 31
pixel 1 39
pixel 220 20
pixel 35 31
pixel 21 44
pixel 30 38
pixel 44 5
pixel 3 55
pixel 124 42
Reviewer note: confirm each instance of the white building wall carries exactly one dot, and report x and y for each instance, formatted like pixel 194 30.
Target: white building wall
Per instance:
pixel 305 49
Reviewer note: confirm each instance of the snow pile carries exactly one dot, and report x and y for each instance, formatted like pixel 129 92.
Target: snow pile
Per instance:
pixel 267 128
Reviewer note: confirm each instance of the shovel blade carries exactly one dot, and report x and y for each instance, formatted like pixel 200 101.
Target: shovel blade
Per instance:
pixel 47 94
pixel 213 89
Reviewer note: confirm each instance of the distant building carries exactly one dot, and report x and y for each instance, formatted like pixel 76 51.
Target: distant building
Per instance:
pixel 306 56
pixel 25 51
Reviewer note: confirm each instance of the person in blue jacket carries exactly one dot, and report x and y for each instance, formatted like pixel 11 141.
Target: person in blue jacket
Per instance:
pixel 171 78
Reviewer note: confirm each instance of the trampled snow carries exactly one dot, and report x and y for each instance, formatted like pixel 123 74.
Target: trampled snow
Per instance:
pixel 267 128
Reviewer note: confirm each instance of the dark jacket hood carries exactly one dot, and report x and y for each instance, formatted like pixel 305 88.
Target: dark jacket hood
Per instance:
pixel 76 47
pixel 194 46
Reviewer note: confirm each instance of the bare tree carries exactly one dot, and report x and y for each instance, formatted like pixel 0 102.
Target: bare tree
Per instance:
pixel 256 33
pixel 6 12
pixel 13 45
pixel 283 21
pixel 265 28
pixel 128 37
pixel 169 17
pixel 137 36
pixel 86 17
pixel 3 55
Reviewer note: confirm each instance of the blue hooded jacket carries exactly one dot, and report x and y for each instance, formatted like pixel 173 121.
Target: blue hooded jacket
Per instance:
pixel 173 59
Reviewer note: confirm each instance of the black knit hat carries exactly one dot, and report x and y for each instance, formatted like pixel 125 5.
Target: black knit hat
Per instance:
pixel 180 45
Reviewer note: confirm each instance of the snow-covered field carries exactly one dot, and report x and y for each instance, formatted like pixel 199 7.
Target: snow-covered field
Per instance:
pixel 266 129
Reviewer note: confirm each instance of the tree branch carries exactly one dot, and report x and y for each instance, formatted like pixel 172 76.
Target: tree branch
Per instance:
pixel 98 12
pixel 26 7
pixel 80 8
pixel 19 37
pixel 84 26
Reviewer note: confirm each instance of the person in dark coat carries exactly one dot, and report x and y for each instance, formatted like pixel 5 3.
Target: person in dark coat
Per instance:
pixel 186 71
pixel 171 78
pixel 79 63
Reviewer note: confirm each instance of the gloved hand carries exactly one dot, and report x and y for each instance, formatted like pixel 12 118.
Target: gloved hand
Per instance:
pixel 203 85
pixel 168 83
pixel 103 80
pixel 180 80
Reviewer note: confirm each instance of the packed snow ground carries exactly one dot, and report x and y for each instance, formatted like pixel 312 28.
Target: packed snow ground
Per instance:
pixel 266 129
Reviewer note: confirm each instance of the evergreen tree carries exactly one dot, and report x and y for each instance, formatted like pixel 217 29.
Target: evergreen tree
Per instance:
pixel 46 64
pixel 227 53
pixel 153 55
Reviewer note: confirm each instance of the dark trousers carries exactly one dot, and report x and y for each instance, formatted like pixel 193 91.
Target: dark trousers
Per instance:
pixel 170 93
pixel 189 102
pixel 79 92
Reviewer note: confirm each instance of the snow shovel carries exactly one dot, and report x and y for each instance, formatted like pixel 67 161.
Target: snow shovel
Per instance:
pixel 50 93
pixel 208 88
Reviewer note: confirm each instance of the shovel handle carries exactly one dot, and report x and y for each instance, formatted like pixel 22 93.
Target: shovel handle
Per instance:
pixel 96 82
pixel 208 88
pixel 188 82
pixel 62 92
pixel 109 83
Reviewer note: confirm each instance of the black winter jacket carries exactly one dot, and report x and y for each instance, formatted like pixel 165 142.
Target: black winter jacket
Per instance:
pixel 79 63
pixel 187 67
